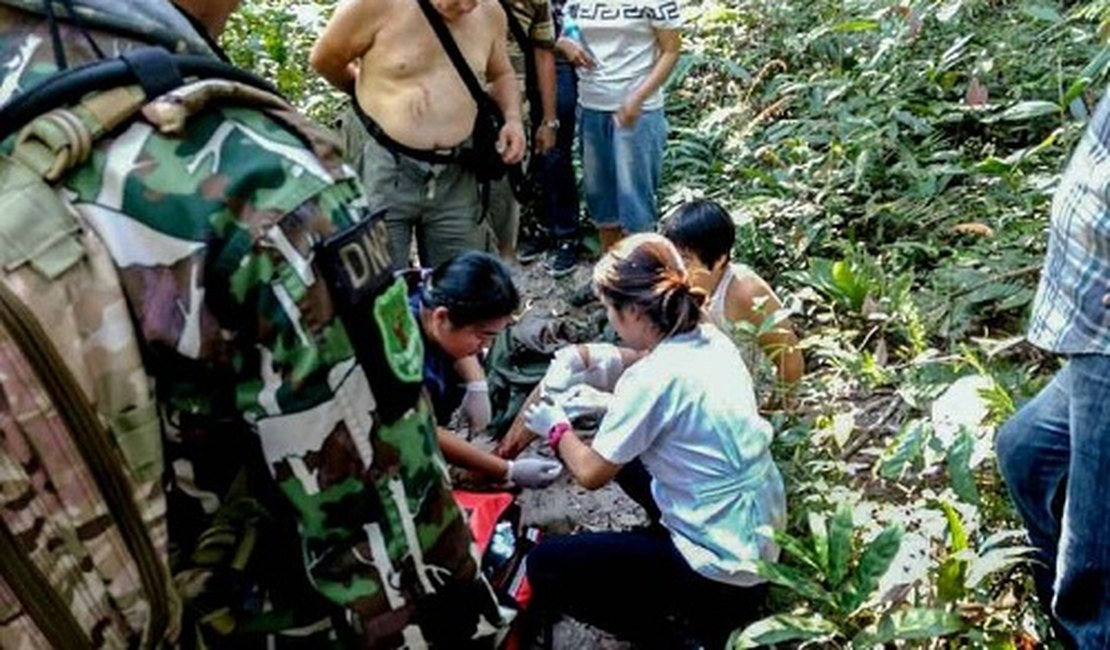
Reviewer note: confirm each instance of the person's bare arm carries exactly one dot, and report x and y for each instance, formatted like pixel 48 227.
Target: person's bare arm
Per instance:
pixel 545 81
pixel 588 467
pixel 670 43
pixel 519 436
pixel 460 453
pixel 752 300
pixel 347 36
pixel 573 51
pixel 470 369
pixel 504 89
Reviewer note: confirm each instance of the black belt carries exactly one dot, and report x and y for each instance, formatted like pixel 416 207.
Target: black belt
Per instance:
pixel 437 156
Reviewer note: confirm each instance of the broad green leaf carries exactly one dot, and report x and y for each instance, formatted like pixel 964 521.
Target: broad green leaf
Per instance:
pixel 959 470
pixel 873 635
pixel 783 627
pixel 953 570
pixel 995 560
pixel 1041 12
pixel 998 538
pixel 955 52
pixel 950 580
pixel 1048 141
pixel 909 625
pixel 859 169
pixel 957 535
pixel 921 623
pixel 992 166
pixel 860 25
pixel 1078 109
pixel 874 563
pixel 797 550
pixel 1020 297
pixel 1075 90
pixel 843 277
pixel 904 449
pixel 840 545
pixel 1027 110
pixel 819 538
pixel 1096 66
pixel 793 579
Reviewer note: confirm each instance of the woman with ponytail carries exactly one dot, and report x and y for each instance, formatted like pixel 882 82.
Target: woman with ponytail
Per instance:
pixel 683 437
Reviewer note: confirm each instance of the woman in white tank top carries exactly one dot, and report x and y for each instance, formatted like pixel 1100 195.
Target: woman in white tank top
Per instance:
pixel 739 300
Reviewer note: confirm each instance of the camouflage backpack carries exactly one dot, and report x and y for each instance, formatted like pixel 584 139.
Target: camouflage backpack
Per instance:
pixel 83 533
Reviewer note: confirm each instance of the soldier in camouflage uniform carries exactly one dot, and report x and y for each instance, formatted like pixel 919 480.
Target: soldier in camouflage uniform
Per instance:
pixel 304 488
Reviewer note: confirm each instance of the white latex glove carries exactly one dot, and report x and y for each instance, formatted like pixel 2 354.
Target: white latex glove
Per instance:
pixel 601 367
pixel 476 406
pixel 584 399
pixel 534 472
pixel 566 369
pixel 543 415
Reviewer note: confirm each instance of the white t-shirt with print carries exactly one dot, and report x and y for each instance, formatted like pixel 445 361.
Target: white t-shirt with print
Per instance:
pixel 620 34
pixel 687 411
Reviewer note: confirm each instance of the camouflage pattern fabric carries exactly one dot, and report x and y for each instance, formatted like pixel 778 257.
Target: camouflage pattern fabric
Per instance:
pixel 292 505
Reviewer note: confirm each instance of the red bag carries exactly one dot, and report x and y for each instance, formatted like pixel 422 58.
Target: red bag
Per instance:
pixel 494 519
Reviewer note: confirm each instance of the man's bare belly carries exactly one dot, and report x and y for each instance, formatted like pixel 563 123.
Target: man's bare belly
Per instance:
pixel 420 115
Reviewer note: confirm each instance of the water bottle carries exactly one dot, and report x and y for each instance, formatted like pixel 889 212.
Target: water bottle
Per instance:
pixel 572 31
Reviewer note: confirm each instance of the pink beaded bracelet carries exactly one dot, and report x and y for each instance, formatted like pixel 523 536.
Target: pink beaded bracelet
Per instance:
pixel 556 434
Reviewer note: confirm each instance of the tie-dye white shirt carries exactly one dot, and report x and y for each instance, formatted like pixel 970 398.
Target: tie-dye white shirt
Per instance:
pixel 620 34
pixel 687 411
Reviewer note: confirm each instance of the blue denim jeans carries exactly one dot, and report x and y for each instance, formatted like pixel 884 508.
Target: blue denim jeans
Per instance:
pixel 1054 455
pixel 558 185
pixel 622 168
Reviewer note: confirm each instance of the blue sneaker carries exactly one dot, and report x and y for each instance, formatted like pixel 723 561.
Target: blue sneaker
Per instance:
pixel 562 259
pixel 531 249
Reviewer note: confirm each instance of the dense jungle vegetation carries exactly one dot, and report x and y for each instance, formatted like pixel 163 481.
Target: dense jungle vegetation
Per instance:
pixel 892 166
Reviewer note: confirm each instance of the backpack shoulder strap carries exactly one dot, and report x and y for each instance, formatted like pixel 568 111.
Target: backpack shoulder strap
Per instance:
pixel 531 83
pixel 61 119
pixel 154 69
pixel 457 59
pixel 516 28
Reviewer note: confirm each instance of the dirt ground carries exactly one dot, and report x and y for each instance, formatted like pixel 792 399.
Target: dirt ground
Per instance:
pixel 564 507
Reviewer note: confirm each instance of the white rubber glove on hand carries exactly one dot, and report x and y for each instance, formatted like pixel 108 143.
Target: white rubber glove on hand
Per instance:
pixel 566 369
pixel 534 472
pixel 582 400
pixel 597 364
pixel 476 406
pixel 542 416
pixel 605 366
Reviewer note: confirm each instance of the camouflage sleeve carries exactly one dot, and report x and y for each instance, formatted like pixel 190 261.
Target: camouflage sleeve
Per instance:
pixel 379 527
pixel 542 31
pixel 217 238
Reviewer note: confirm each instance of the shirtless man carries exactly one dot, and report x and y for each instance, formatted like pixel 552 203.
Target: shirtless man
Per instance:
pixel 418 114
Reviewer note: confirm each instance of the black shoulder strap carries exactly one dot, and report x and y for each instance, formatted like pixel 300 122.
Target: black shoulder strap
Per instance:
pixel 153 68
pixel 452 48
pixel 516 28
pixel 531 83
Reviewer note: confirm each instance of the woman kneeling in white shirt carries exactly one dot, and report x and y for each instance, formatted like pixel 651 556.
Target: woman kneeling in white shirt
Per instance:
pixel 685 412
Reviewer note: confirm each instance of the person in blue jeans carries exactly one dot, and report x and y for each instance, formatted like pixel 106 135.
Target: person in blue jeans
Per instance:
pixel 635 44
pixel 558 204
pixel 1054 453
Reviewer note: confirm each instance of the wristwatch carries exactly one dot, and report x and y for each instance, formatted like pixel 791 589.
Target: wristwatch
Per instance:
pixel 551 124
